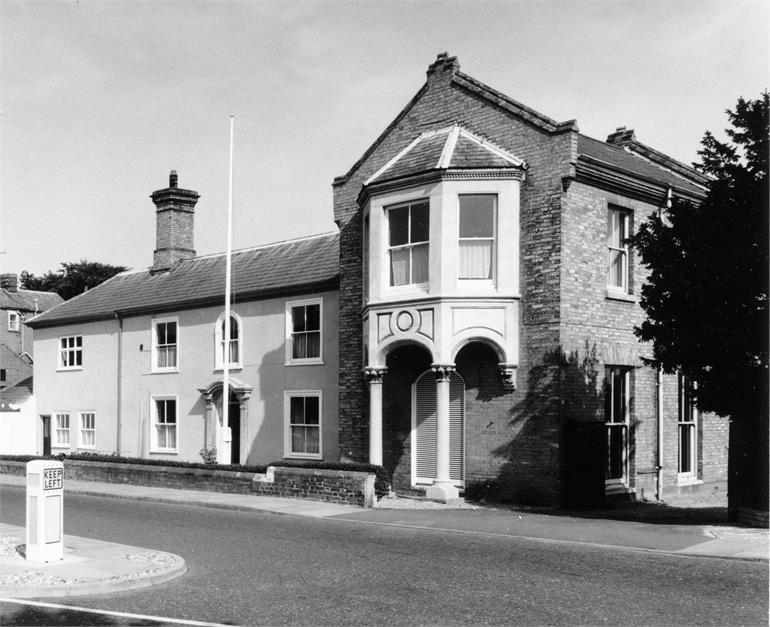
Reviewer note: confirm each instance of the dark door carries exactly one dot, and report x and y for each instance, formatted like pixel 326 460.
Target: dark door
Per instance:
pixel 46 434
pixel 234 422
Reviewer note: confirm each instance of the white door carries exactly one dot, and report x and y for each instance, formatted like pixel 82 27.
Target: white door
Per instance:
pixel 424 429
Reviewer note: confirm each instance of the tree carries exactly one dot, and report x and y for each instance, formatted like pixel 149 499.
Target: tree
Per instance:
pixel 706 298
pixel 72 279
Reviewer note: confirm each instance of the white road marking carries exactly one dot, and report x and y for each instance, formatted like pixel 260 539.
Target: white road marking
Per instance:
pixel 160 619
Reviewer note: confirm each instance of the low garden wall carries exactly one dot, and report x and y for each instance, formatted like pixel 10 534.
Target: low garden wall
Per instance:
pixel 333 486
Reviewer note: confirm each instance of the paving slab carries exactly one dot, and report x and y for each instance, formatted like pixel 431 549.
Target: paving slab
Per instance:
pixel 88 567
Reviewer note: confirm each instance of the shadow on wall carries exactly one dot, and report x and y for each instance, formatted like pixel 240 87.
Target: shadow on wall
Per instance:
pixel 556 451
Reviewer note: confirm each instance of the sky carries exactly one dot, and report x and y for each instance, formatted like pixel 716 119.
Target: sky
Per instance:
pixel 101 99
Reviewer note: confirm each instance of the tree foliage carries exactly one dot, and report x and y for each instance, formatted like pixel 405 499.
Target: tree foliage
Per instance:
pixel 71 279
pixel 706 299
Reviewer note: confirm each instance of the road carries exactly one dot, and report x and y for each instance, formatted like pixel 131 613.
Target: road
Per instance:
pixel 264 569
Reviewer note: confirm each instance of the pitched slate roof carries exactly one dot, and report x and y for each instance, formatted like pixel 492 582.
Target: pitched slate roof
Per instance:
pixel 26 300
pixel 631 162
pixel 451 148
pixel 279 268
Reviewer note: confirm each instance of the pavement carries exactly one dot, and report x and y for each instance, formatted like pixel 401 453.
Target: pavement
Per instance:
pixel 94 567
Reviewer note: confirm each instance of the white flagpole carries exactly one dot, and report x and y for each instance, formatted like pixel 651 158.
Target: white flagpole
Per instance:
pixel 225 453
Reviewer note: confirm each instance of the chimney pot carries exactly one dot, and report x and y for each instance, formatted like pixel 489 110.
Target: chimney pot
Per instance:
pixel 173 179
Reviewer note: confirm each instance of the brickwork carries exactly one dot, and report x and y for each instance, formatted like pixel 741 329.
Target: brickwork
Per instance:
pixel 570 327
pixel 443 102
pixel 333 486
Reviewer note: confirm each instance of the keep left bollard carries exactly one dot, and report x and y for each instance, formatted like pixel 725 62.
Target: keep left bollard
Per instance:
pixel 45 510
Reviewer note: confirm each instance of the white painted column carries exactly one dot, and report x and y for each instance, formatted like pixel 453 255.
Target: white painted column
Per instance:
pixel 374 378
pixel 442 489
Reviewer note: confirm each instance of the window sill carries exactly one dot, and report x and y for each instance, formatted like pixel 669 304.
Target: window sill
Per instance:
pixel 163 451
pixel 165 371
pixel 621 296
pixel 303 456
pixel 71 369
pixel 63 447
pixel 305 362
pixel 231 368
pixel 684 481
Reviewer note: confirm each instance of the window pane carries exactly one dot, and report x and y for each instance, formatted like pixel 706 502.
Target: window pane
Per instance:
pixel 313 319
pixel 311 440
pixel 477 216
pixel 475 259
pixel 297 410
pixel 615 437
pixel 171 411
pixel 398 222
pixel 399 266
pixel 617 265
pixel 420 223
pixel 233 329
pixel 299 346
pixel 297 440
pixel 298 319
pixel 313 344
pixel 171 437
pixel 311 410
pixel 685 448
pixel 420 263
pixel 233 351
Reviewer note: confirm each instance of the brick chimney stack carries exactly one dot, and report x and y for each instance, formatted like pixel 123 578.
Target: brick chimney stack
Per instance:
pixel 175 210
pixel 9 282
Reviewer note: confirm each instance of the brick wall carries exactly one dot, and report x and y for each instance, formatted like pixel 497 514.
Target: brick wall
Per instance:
pixel 443 102
pixel 334 486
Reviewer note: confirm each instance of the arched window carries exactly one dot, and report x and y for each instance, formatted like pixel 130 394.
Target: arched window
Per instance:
pixel 232 347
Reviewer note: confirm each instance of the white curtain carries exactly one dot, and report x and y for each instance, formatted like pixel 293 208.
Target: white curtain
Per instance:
pixel 399 266
pixel 475 259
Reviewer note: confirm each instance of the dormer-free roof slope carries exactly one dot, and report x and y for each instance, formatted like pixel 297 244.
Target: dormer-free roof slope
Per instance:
pixel 310 263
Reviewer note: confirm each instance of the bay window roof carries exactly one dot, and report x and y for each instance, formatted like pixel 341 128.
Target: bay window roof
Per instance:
pixel 451 148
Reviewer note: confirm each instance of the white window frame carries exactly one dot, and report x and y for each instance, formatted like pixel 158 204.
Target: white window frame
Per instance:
pixel 488 281
pixel 56 429
pixel 410 245
pixel 70 352
pixel 624 215
pixel 623 425
pixel 689 422
pixel 219 348
pixel 154 343
pixel 287 396
pixel 290 360
pixel 154 447
pixel 82 430
pixel 14 321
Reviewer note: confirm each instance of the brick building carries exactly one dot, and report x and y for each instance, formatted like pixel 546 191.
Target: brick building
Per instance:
pixel 487 305
pixel 470 327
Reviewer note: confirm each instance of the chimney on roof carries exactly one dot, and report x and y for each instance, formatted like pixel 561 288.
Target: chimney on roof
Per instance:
pixel 9 282
pixel 443 68
pixel 175 209
pixel 621 136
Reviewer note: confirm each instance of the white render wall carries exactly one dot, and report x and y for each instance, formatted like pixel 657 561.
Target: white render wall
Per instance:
pixel 264 369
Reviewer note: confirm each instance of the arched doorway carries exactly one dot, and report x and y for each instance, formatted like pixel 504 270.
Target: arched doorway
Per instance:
pixel 424 417
pixel 232 444
pixel 234 424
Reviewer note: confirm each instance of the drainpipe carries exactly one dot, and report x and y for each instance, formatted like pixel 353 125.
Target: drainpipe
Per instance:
pixel 118 416
pixel 659 412
pixel 659 461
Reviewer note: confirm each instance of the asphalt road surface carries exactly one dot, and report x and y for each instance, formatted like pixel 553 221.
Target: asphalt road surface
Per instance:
pixel 263 569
